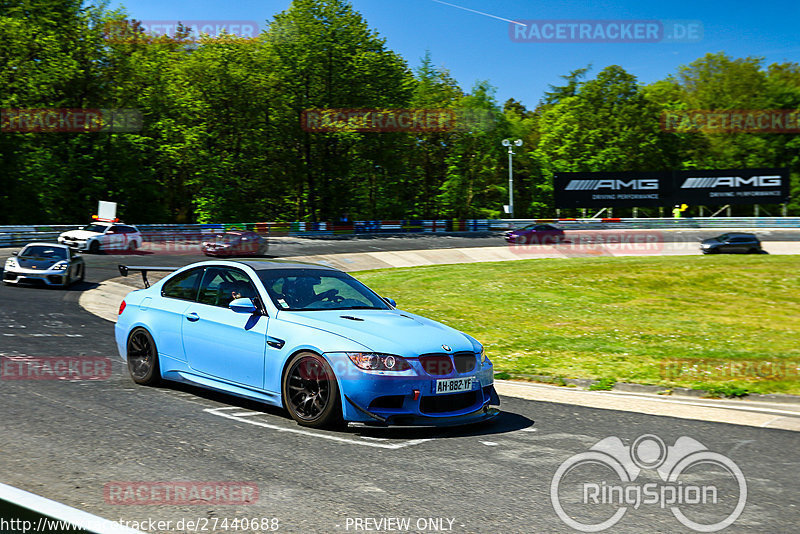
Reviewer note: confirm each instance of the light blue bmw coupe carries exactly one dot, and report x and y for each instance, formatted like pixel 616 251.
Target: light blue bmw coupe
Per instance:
pixel 306 337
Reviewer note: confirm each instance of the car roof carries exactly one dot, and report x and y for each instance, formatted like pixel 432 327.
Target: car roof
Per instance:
pixel 738 234
pixel 266 265
pixel 42 244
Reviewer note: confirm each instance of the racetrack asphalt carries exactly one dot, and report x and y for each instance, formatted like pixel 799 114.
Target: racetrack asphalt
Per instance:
pixel 72 440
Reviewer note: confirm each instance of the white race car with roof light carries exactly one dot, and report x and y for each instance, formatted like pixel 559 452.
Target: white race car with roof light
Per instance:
pixel 103 236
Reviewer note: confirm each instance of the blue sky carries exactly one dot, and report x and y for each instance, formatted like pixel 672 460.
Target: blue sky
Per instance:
pixel 475 46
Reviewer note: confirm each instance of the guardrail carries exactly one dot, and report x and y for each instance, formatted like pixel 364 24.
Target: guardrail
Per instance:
pixel 193 233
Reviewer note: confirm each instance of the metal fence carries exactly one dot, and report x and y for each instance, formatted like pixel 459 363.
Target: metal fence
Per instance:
pixel 194 233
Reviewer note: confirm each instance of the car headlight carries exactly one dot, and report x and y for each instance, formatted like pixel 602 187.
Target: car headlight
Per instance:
pixel 60 266
pixel 484 358
pixel 373 361
pixel 11 263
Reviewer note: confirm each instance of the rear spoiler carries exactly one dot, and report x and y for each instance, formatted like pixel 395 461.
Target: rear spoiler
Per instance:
pixel 123 270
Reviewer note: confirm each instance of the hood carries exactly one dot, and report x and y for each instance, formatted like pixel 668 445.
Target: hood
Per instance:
pixel 36 263
pixel 711 241
pixel 80 234
pixel 390 331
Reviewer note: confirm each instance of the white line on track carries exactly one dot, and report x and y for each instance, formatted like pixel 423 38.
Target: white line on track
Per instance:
pixel 331 437
pixel 722 405
pixel 73 517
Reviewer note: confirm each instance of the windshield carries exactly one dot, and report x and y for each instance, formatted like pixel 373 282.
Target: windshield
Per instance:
pixel 227 238
pixel 98 228
pixel 55 253
pixel 314 289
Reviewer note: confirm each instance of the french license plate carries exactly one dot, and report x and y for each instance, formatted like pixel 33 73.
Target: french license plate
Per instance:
pixel 453 385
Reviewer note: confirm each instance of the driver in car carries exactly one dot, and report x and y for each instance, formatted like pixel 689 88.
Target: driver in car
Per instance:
pixel 299 293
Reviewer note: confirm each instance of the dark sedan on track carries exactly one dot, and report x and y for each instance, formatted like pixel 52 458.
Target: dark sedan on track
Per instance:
pixel 732 243
pixel 542 234
pixel 236 243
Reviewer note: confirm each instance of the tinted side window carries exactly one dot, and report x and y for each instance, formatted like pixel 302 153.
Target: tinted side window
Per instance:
pixel 183 286
pixel 220 285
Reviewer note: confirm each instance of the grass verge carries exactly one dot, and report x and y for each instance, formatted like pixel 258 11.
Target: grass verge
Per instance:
pixel 722 323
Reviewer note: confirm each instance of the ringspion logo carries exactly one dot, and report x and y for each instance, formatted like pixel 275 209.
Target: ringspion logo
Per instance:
pixel 592 491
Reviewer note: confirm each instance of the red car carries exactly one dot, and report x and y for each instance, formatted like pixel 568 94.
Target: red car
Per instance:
pixel 542 234
pixel 236 243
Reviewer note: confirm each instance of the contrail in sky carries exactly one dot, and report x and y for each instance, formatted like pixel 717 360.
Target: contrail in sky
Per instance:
pixel 480 13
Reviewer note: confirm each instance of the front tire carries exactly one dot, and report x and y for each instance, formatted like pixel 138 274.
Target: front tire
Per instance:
pixel 143 358
pixel 94 247
pixel 310 391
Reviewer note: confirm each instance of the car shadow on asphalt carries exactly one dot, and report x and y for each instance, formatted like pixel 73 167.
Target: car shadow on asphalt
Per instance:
pixel 75 286
pixel 82 286
pixel 504 423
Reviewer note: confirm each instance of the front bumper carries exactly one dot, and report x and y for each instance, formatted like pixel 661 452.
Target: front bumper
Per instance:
pixel 49 277
pixel 77 244
pixel 484 413
pixel 410 398
pixel 213 250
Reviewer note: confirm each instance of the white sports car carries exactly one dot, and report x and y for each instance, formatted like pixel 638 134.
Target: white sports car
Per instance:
pixel 49 263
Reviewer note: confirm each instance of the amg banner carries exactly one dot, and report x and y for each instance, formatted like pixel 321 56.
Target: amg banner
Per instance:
pixel 738 186
pixel 696 188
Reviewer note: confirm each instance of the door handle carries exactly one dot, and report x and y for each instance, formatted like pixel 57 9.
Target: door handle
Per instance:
pixel 192 317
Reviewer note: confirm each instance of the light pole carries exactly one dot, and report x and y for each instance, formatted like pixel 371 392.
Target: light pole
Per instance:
pixel 511 144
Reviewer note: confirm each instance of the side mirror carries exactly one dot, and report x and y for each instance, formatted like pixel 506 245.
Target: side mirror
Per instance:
pixel 391 302
pixel 15 253
pixel 243 305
